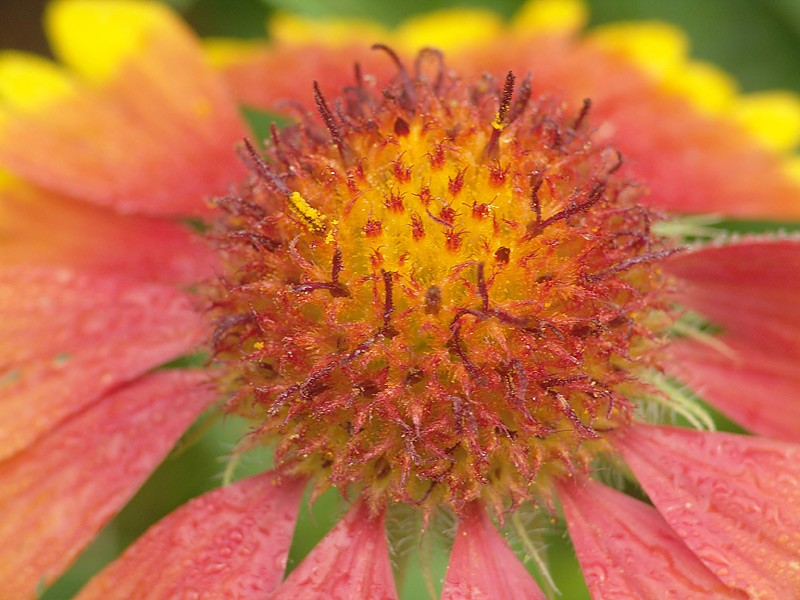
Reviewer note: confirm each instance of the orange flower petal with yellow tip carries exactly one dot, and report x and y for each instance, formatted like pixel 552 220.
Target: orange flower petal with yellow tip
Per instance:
pixel 29 82
pixel 57 494
pixel 774 117
pixel 41 228
pixel 449 29
pixel 332 32
pixel 627 551
pixel 68 339
pixel 352 561
pixel 758 390
pixel 548 16
pixel 154 129
pixel 482 566
pixel 750 288
pixel 687 160
pixel 734 500
pixel 230 543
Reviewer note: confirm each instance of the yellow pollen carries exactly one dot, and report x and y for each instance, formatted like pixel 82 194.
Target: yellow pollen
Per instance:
pixel 313 219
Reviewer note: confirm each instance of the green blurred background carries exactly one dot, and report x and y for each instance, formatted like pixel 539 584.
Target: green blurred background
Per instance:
pixel 758 41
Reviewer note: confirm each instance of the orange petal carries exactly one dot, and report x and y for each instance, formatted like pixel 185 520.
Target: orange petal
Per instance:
pixel 482 566
pixel 39 228
pixel 352 561
pixel 750 288
pixel 733 500
pixel 229 543
pixel 154 131
pixel 761 392
pixel 58 493
pixel 627 551
pixel 68 339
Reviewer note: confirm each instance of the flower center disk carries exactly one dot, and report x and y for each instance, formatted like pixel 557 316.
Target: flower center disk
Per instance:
pixel 438 291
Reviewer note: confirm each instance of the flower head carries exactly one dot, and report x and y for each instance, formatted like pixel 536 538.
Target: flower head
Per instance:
pixel 448 284
pixel 441 292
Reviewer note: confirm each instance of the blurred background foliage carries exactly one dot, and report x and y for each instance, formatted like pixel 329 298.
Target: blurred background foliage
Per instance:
pixel 758 41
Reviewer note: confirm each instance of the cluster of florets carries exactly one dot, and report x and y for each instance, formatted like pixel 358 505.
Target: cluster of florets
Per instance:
pixel 437 291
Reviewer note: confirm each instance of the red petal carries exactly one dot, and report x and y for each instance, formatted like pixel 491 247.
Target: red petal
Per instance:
pixel 67 339
pixel 627 551
pixel 58 493
pixel 158 138
pixel 352 561
pixel 761 392
pixel 751 288
pixel 40 228
pixel 734 501
pixel 230 543
pixel 483 567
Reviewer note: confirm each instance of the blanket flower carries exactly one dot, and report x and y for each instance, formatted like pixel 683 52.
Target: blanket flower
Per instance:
pixel 466 278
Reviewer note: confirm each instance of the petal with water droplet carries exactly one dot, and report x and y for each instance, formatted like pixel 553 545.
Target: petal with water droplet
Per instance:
pixel 230 543
pixel 37 227
pixel 483 567
pixel 750 288
pixel 627 551
pixel 352 561
pixel 57 494
pixel 734 500
pixel 67 338
pixel 761 392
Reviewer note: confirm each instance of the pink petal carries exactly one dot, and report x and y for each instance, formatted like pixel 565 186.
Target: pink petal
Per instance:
pixel 483 567
pixel 733 500
pixel 351 562
pixel 40 228
pixel 627 551
pixel 230 544
pixel 67 339
pixel 58 493
pixel 750 288
pixel 760 392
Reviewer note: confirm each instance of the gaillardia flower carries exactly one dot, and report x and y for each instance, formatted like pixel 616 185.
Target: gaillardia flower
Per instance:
pixel 463 279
